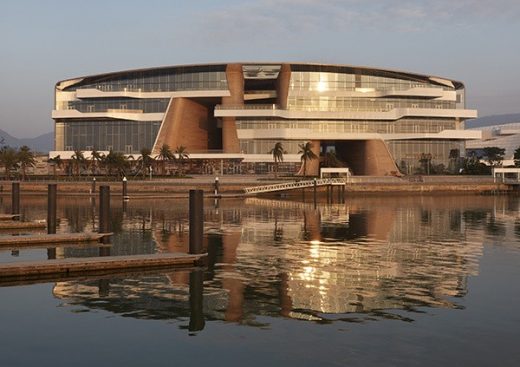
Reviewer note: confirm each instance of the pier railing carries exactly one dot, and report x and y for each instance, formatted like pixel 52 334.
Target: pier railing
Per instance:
pixel 293 185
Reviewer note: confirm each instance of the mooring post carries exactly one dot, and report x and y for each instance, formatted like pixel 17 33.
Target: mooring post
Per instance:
pixel 51 208
pixel 328 194
pixel 125 189
pixel 216 186
pixel 343 193
pixel 196 301
pixel 196 221
pixel 104 211
pixel 315 188
pixel 15 199
pixel 93 187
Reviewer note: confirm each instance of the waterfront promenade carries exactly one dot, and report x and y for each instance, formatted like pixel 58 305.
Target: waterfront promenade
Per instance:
pixel 233 185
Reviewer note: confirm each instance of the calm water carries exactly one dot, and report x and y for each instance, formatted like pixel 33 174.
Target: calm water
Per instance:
pixel 398 281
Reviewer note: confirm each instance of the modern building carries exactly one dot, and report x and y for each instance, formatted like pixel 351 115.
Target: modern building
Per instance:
pixel 229 116
pixel 501 135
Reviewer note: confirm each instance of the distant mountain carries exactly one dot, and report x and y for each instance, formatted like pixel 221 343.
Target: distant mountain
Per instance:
pixel 42 143
pixel 492 120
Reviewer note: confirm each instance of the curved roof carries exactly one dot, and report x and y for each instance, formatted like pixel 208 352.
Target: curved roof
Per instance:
pixel 295 66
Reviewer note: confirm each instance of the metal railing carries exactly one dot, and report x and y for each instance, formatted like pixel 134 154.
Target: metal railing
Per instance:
pixel 293 185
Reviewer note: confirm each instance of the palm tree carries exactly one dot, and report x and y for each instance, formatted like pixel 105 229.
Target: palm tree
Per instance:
pixel 25 159
pixel 146 160
pixel 165 154
pixel 182 155
pixel 277 153
pixel 331 160
pixel 8 159
pixel 55 162
pixel 78 161
pixel 96 158
pixel 116 161
pixel 306 154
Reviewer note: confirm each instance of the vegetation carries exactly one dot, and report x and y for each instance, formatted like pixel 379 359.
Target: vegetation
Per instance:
pixel 25 159
pixel 78 162
pixel 9 160
pixel 426 162
pixel 516 157
pixel 146 161
pixel 165 155
pixel 182 155
pixel 306 154
pixel 96 160
pixel 277 153
pixel 454 164
pixel 116 162
pixel 55 162
pixel 494 156
pixel 473 166
pixel 330 159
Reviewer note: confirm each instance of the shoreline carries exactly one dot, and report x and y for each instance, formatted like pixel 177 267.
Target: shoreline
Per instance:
pixel 232 187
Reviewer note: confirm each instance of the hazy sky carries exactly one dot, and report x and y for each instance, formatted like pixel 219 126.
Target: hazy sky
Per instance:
pixel 475 41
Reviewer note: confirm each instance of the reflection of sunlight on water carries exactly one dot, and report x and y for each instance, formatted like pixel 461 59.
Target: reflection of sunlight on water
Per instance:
pixel 288 259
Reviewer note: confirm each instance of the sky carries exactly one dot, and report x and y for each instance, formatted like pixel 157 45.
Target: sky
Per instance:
pixel 42 42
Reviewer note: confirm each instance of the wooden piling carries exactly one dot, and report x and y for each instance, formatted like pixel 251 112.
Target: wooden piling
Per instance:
pixel 104 217
pixel 196 301
pixel 15 198
pixel 51 208
pixel 196 217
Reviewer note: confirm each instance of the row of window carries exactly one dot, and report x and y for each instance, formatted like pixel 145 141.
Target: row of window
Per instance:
pixel 141 105
pixel 354 104
pixel 321 81
pixel 161 82
pixel 118 135
pixel 347 126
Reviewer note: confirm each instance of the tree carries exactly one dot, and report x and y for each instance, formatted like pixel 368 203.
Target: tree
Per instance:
pixel 55 162
pixel 25 159
pixel 146 160
pixel 454 164
pixel 96 159
pixel 277 153
pixel 8 159
pixel 165 155
pixel 330 159
pixel 516 157
pixel 306 154
pixel 494 155
pixel 116 161
pixel 182 155
pixel 426 160
pixel 78 161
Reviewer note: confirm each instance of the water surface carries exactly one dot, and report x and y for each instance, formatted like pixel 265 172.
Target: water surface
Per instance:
pixel 396 281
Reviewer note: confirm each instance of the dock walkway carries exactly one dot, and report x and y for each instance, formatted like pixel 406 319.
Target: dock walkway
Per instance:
pixel 28 240
pixel 293 185
pixel 46 268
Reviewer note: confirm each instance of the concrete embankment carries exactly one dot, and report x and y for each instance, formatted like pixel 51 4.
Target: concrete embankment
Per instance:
pixel 231 186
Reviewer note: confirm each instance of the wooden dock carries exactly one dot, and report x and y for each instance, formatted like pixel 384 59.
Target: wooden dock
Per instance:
pixel 8 216
pixel 21 225
pixel 75 266
pixel 29 240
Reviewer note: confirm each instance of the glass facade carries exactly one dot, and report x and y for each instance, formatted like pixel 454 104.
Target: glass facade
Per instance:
pixel 407 153
pixel 149 105
pixel 119 135
pixel 160 80
pixel 250 146
pixel 405 125
pixel 308 88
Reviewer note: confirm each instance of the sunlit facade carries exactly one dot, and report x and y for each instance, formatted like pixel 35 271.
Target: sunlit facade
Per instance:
pixel 378 122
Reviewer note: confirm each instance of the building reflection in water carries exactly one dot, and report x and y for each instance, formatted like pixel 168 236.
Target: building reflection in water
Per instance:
pixel 287 259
